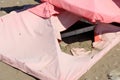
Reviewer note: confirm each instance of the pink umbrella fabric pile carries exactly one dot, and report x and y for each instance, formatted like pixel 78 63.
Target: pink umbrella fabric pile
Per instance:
pixel 96 10
pixel 28 39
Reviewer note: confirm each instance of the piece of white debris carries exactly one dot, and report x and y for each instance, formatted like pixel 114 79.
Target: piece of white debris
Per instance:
pixel 114 75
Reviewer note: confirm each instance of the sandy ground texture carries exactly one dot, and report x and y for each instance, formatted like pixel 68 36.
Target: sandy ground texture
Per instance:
pixel 100 71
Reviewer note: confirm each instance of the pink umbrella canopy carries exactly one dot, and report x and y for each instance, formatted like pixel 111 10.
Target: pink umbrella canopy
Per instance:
pixel 94 10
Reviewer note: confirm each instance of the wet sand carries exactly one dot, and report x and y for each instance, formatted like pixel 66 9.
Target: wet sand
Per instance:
pixel 99 71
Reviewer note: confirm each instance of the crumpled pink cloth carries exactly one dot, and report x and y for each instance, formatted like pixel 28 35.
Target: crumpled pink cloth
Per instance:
pixel 28 42
pixel 60 19
pixel 45 10
pixel 94 10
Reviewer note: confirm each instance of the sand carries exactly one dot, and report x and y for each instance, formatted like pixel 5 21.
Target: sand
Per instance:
pixel 99 71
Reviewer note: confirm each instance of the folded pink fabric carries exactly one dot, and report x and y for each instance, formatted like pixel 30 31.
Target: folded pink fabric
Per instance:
pixel 45 10
pixel 94 10
pixel 60 19
pixel 28 42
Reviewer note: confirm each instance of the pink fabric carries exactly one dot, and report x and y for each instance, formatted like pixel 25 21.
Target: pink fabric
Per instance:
pixel 106 33
pixel 63 21
pixel 94 10
pixel 29 43
pixel 45 10
pixel 60 19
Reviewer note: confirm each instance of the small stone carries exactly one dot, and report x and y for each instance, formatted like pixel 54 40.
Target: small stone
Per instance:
pixel 114 74
pixel 17 3
pixel 96 78
pixel 2 1
pixel 118 49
